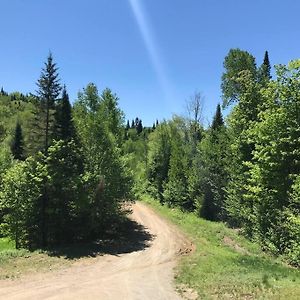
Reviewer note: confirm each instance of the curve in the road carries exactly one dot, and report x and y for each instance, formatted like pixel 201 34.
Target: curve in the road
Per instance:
pixel 143 274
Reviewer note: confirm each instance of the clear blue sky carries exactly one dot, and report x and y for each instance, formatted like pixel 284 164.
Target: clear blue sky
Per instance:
pixel 153 53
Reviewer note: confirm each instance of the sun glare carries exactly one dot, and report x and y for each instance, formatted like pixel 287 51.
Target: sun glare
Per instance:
pixel 151 45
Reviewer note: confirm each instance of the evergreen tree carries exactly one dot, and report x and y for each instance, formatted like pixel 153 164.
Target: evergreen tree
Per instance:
pixel 17 147
pixel 176 193
pixel 132 124
pixel 139 126
pixel 213 151
pixel 48 91
pixel 158 160
pixel 265 70
pixel 267 66
pixel 218 118
pixel 2 92
pixel 64 127
pixel 136 122
pixel 127 125
pixel 64 168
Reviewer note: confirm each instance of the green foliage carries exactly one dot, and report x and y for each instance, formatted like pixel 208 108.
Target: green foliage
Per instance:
pixel 139 127
pixel 112 114
pixel 173 170
pixel 244 171
pixel 21 190
pixel 135 150
pixel 64 127
pixel 6 244
pixel 48 83
pixel 214 151
pixel 225 264
pixel 64 191
pixel 218 119
pixel 17 147
pixel 88 99
pixel 98 132
pixel 276 161
pixel 12 112
pixel 48 91
pixel 6 160
pixel 264 72
pixel 236 63
pixel 76 189
pixel 175 189
pixel 159 152
pixel 242 118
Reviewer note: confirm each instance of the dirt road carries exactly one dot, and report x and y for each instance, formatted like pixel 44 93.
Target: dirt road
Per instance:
pixel 144 273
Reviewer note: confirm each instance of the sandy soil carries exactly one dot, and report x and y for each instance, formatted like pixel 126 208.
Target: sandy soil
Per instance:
pixel 145 273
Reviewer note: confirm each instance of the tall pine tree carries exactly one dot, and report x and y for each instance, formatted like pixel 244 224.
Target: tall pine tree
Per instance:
pixel 17 147
pixel 218 118
pixel 48 91
pixel 139 126
pixel 213 151
pixel 265 70
pixel 64 127
pixel 267 66
pixel 127 125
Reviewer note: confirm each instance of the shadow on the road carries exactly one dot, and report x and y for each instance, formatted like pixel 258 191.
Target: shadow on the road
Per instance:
pixel 132 237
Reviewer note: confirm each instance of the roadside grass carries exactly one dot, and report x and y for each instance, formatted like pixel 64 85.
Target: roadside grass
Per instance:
pixel 225 265
pixel 17 262
pixel 14 263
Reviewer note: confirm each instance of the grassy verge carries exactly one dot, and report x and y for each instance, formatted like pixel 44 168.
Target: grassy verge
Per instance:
pixel 14 263
pixel 225 265
pixel 128 236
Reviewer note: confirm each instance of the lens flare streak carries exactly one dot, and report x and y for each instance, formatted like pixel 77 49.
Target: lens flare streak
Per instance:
pixel 150 44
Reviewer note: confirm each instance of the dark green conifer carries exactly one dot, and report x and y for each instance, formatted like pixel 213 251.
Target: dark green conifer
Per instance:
pixel 127 125
pixel 218 119
pixel 139 126
pixel 214 151
pixel 17 147
pixel 48 91
pixel 264 74
pixel 266 66
pixel 64 129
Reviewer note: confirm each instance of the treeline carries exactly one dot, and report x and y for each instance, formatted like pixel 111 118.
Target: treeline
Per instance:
pixel 245 171
pixel 63 177
pixel 65 171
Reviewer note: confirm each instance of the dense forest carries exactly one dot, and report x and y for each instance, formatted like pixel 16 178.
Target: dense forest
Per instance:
pixel 66 171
